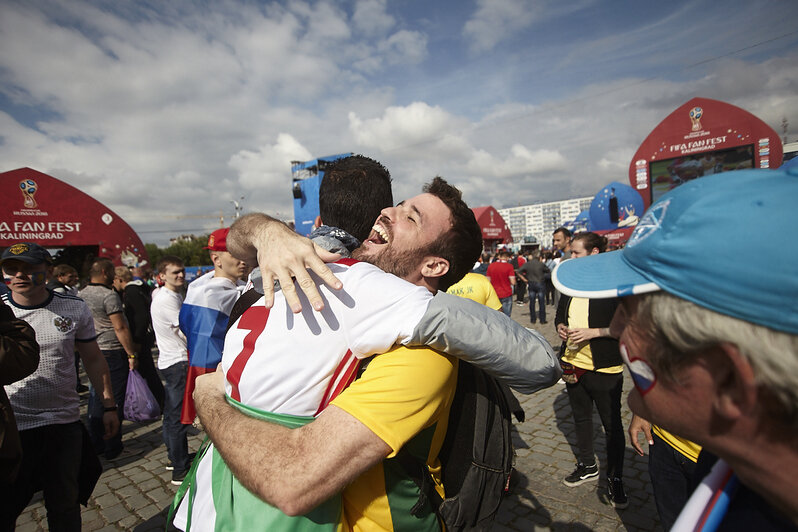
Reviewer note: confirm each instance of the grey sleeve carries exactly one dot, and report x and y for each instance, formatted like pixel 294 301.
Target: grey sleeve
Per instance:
pixel 522 358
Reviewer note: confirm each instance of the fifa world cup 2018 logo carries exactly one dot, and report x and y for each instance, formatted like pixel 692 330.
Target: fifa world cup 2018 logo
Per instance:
pixel 695 117
pixel 29 188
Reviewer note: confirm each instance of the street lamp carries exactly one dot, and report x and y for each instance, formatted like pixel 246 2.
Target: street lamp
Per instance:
pixel 238 205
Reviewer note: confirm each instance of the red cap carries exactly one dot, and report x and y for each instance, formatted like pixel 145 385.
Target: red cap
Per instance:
pixel 218 240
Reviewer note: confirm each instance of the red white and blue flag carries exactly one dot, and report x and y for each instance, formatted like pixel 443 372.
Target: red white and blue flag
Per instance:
pixel 708 504
pixel 203 319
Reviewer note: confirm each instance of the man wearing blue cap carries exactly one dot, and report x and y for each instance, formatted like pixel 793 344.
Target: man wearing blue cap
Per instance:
pixel 46 403
pixel 713 348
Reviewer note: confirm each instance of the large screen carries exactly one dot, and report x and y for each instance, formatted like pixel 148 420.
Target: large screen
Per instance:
pixel 667 174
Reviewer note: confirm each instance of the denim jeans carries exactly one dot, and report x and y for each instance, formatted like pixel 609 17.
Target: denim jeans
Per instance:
pixel 50 462
pixel 671 475
pixel 507 305
pixel 174 432
pixel 118 368
pixel 603 389
pixel 537 291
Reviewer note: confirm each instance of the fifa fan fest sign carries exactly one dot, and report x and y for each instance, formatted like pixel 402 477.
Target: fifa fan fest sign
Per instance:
pixel 36 207
pixel 700 138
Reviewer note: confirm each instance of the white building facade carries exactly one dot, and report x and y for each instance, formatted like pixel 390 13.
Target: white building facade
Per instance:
pixel 541 219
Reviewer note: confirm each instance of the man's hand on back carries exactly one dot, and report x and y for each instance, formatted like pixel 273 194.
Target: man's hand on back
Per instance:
pixel 282 255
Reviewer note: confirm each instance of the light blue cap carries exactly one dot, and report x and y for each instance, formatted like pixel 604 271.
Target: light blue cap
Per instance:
pixel 726 242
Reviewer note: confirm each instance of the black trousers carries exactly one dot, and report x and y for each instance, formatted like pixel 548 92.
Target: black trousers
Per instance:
pixel 520 289
pixel 51 458
pixel 147 370
pixel 603 390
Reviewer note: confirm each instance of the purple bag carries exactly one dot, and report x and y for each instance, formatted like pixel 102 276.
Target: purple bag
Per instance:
pixel 140 404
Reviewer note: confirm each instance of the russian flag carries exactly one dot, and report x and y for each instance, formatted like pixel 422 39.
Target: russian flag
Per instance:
pixel 203 319
pixel 707 506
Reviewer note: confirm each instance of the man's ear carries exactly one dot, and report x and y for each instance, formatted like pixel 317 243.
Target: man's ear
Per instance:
pixel 317 222
pixel 434 266
pixel 736 391
pixel 214 258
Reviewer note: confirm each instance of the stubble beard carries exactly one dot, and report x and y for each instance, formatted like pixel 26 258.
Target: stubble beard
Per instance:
pixel 400 263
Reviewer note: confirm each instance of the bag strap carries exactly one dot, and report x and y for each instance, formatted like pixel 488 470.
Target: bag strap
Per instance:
pixel 247 299
pixel 421 477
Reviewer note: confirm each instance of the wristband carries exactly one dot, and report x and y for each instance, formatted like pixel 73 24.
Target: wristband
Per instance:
pixel 131 357
pixel 110 409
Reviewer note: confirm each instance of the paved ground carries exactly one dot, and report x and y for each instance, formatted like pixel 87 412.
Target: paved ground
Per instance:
pixel 135 491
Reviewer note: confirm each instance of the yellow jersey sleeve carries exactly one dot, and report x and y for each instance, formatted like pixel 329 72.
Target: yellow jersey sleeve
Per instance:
pixel 401 393
pixel 689 449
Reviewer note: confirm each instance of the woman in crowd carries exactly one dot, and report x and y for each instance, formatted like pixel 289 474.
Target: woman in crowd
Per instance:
pixel 593 372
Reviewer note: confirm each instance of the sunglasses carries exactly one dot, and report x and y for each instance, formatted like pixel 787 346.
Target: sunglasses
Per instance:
pixel 643 375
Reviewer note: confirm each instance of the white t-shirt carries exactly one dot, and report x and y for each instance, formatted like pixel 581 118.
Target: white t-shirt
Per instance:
pixel 296 361
pixel 48 396
pixel 165 312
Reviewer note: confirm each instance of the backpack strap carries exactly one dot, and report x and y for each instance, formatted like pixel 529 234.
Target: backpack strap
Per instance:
pixel 247 299
pixel 420 475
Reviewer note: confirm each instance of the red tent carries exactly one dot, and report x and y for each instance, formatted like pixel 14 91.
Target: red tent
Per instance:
pixel 494 229
pixel 36 207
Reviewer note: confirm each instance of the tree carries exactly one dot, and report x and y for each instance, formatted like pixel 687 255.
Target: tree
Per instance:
pixel 190 250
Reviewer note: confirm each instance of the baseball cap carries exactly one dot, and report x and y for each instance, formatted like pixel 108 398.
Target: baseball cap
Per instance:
pixel 29 252
pixel 218 240
pixel 721 242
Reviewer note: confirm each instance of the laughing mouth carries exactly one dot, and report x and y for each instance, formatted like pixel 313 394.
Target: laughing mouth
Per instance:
pixel 379 233
pixel 382 234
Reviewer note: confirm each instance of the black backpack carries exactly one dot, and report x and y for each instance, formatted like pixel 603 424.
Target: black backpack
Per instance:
pixel 477 454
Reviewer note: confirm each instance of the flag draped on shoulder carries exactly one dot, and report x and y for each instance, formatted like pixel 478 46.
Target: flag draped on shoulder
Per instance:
pixel 203 319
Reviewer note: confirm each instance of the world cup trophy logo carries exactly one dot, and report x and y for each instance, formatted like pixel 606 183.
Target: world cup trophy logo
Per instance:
pixel 695 117
pixel 29 188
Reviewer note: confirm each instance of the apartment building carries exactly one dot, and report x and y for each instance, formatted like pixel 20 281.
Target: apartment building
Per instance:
pixel 541 219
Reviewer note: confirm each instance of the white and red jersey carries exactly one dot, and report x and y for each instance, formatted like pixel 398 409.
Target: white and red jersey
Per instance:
pixel 285 363
pixel 288 363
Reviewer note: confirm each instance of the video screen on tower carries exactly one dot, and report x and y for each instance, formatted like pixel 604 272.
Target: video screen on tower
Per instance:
pixel 667 174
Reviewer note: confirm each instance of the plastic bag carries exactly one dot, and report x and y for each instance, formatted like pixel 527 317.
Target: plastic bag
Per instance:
pixel 140 404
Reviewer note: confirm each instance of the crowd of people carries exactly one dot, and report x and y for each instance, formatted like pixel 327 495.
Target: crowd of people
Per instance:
pixel 338 357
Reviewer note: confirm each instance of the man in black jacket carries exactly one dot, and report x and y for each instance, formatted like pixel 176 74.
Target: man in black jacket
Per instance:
pixel 136 297
pixel 19 357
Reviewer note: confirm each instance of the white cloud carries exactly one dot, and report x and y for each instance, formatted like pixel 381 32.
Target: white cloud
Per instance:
pixel 495 20
pixel 404 47
pixel 521 161
pixel 371 19
pixel 403 127
pixel 267 166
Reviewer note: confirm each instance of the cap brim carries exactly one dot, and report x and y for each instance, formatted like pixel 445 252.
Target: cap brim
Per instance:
pixel 600 276
pixel 29 260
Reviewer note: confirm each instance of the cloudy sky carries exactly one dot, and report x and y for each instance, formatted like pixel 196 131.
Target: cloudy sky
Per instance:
pixel 163 110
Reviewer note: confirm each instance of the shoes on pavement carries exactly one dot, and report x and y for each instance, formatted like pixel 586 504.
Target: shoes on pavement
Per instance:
pixel 543 322
pixel 170 467
pixel 616 493
pixel 582 474
pixel 179 476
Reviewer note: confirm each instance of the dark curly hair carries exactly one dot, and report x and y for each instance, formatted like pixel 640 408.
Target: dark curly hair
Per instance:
pixel 461 245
